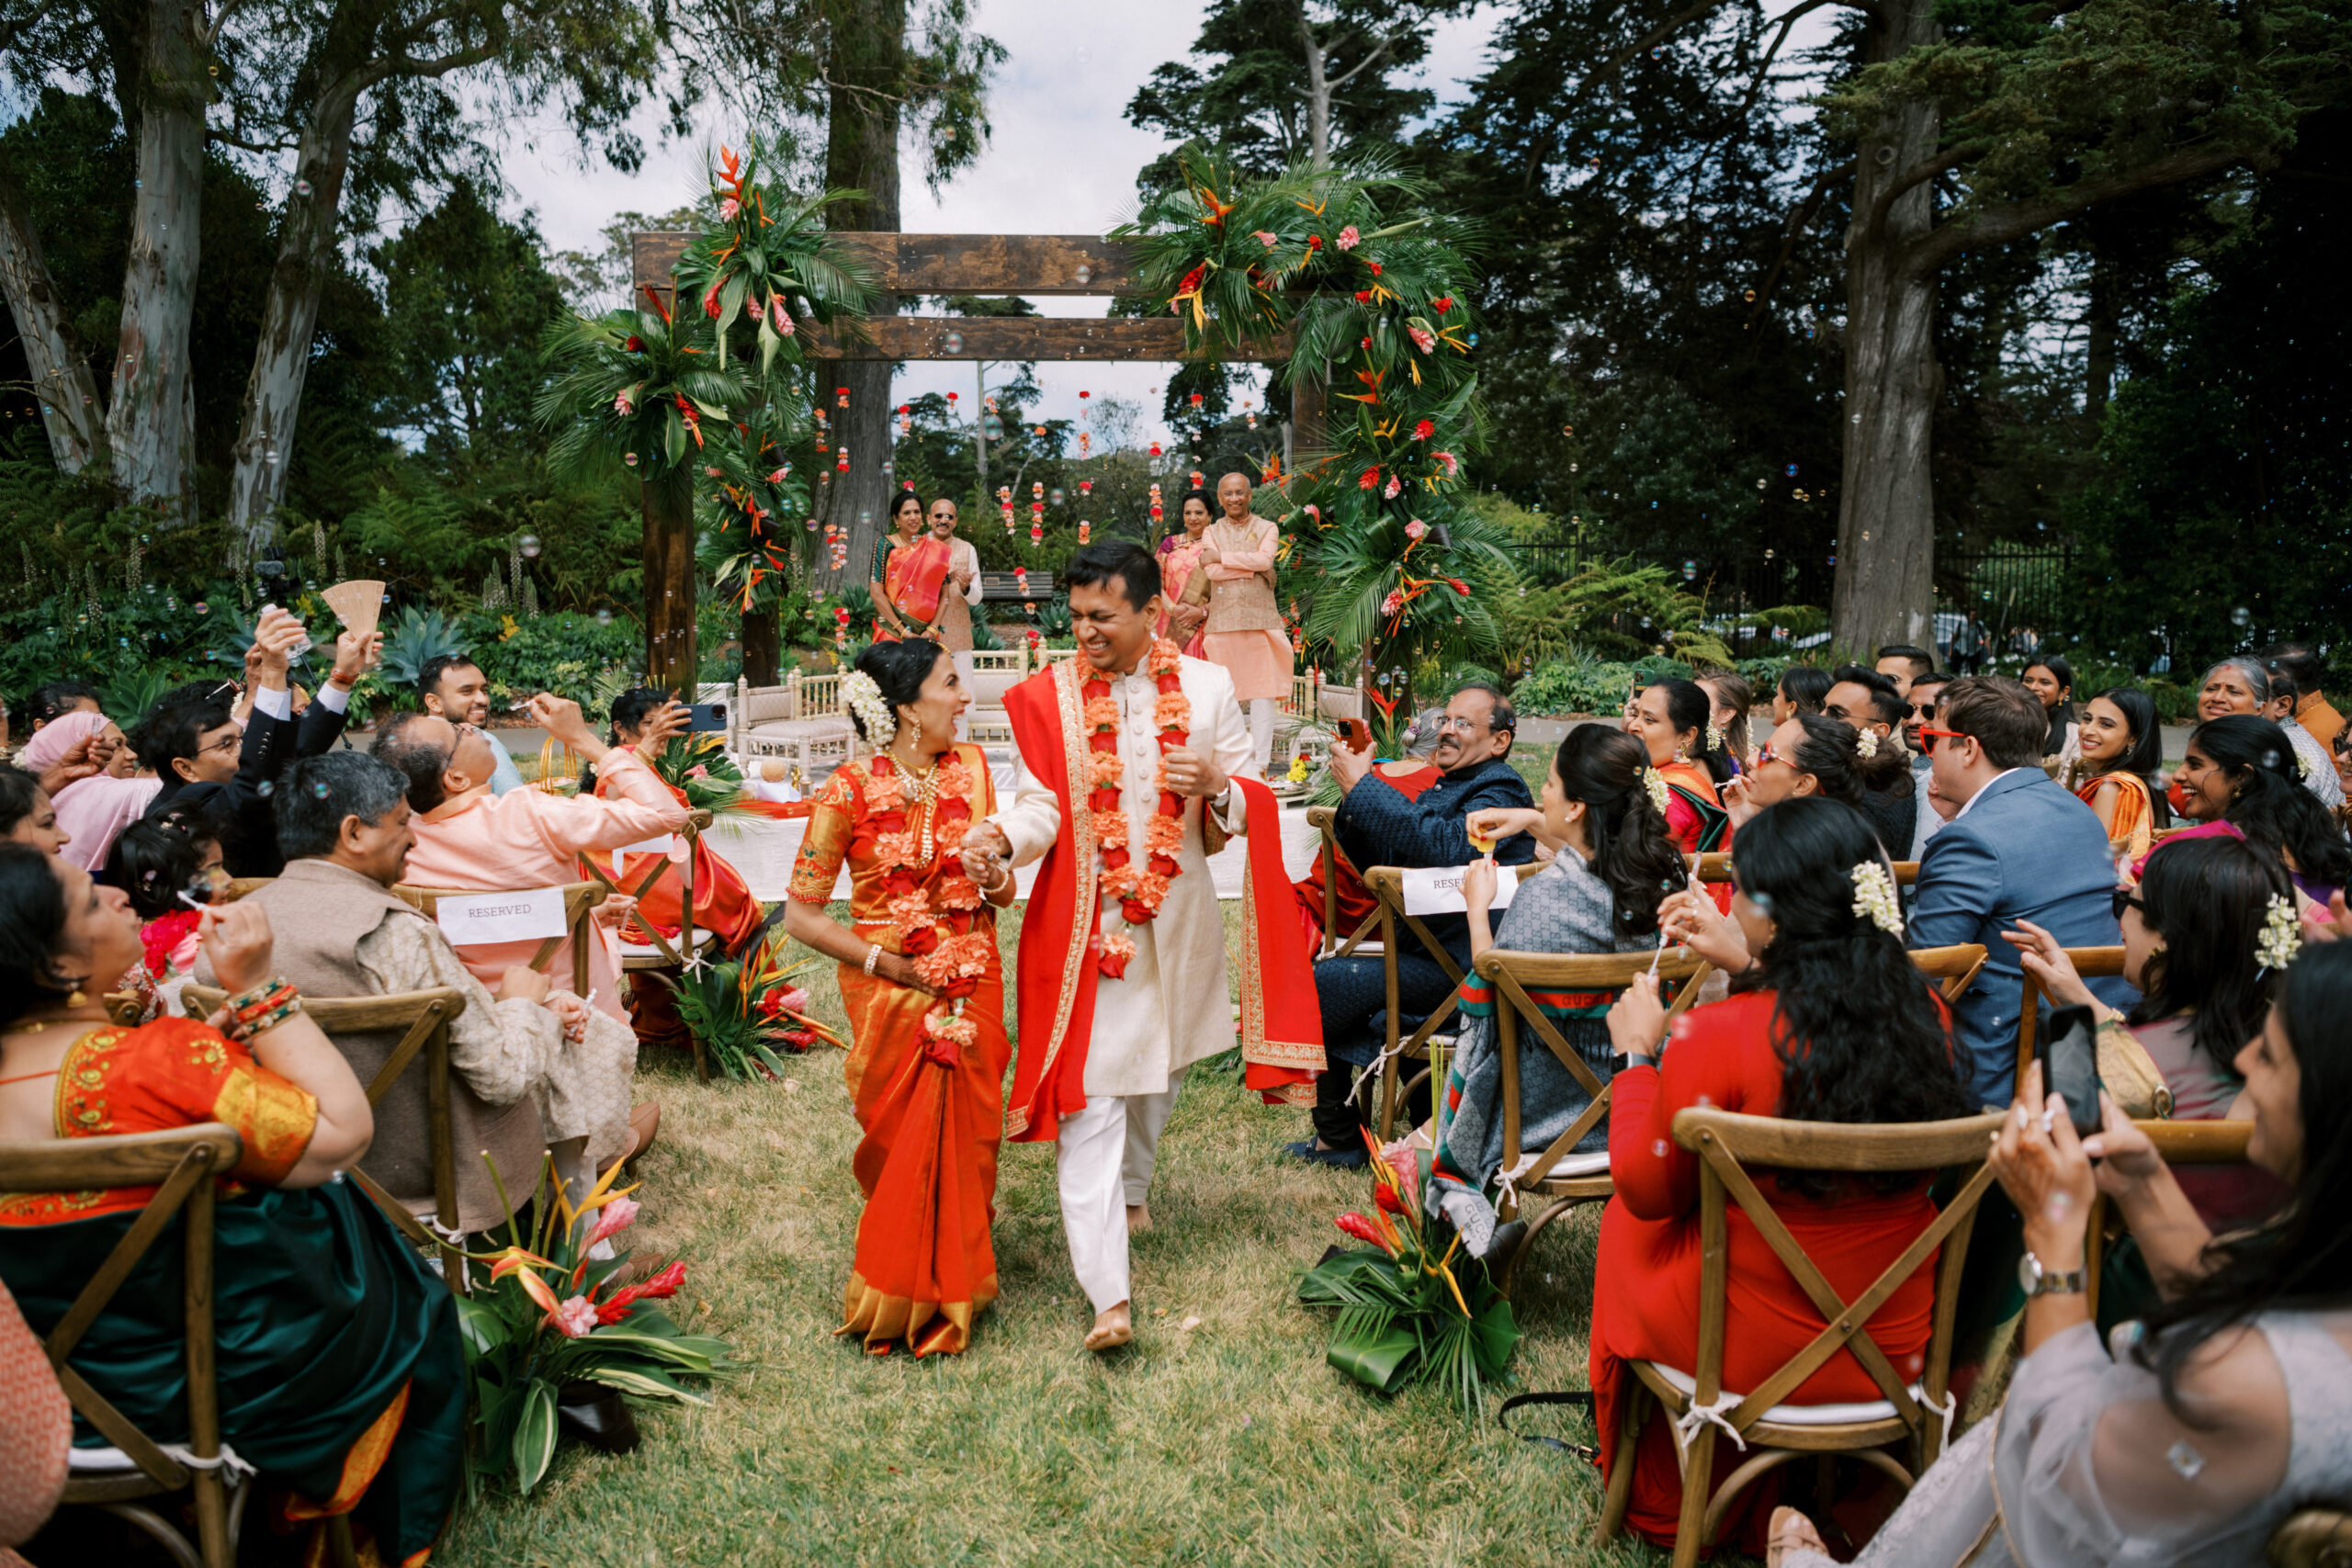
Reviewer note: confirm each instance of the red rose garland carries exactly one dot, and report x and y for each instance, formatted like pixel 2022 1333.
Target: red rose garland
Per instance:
pixel 937 931
pixel 1139 891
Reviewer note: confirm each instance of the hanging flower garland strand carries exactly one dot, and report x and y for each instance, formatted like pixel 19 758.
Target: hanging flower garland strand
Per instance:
pixel 1139 890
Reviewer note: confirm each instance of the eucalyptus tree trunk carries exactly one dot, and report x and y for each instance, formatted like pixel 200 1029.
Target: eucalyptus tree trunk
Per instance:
pixel 1318 93
pixel 71 414
pixel 150 427
pixel 667 503
pixel 306 255
pixel 1886 517
pixel 867 69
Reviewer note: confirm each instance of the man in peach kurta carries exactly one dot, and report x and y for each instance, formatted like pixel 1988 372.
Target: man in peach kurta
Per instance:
pixel 473 840
pixel 1245 626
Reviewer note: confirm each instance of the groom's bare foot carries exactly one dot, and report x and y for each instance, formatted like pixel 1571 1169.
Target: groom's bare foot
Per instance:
pixel 1113 1328
pixel 1138 1217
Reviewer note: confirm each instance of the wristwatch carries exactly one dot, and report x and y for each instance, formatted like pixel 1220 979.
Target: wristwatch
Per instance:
pixel 2040 1281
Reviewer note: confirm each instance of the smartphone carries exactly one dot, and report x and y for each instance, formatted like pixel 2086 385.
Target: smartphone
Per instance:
pixel 1355 735
pixel 2068 1052
pixel 702 718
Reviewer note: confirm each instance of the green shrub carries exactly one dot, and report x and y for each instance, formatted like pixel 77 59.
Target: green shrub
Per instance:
pixel 569 654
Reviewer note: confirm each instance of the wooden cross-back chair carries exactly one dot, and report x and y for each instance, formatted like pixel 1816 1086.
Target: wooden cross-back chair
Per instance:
pixel 1321 818
pixel 2315 1536
pixel 425 1016
pixel 1558 1173
pixel 2091 963
pixel 1909 1410
pixel 182 1164
pixel 579 901
pixel 655 955
pixel 1386 884
pixel 2180 1142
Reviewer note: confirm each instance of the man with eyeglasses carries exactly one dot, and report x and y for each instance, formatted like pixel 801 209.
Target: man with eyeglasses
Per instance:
pixel 208 765
pixel 1927 692
pixel 1378 824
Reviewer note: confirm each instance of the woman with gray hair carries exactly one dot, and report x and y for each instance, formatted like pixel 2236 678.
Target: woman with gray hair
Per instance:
pixel 2239 684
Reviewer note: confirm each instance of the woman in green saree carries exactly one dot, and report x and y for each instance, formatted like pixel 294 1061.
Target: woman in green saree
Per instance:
pixel 342 1381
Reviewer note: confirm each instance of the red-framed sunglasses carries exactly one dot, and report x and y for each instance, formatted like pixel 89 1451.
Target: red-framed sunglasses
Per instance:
pixel 1928 736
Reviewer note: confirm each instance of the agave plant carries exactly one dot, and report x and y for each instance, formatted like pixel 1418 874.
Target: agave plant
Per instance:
pixel 415 640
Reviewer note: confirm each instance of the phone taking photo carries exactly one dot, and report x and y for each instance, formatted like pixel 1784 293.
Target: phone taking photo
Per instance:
pixel 2068 1052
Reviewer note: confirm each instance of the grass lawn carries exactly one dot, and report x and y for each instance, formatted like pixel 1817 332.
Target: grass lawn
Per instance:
pixel 1227 1442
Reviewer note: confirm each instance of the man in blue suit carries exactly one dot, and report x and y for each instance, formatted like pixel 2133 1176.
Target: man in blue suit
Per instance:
pixel 2021 848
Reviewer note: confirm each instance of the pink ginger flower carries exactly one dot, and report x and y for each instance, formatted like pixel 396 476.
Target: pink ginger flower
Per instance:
pixel 574 1317
pixel 1452 466
pixel 794 1000
pixel 1424 339
pixel 1393 603
pixel 621 404
pixel 1349 238
pixel 614 1218
pixel 729 207
pixel 1393 488
pixel 1416 528
pixel 779 317
pixel 1265 237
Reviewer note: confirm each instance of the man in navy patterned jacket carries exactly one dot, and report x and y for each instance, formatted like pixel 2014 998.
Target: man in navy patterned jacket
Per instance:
pixel 1377 825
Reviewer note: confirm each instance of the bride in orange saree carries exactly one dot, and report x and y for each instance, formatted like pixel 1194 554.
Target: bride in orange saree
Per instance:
pixel 924 990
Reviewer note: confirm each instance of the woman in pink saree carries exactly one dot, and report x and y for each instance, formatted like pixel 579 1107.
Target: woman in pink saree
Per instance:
pixel 1179 557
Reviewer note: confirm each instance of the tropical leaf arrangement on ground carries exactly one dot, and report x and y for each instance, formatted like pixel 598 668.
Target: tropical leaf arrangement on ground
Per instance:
pixel 553 1314
pixel 1407 1314
pixel 1373 281
pixel 747 1014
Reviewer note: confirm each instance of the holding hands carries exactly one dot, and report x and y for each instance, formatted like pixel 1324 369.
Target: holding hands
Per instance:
pixel 986 849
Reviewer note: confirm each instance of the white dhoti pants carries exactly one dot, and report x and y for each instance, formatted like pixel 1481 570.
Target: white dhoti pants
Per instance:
pixel 963 662
pixel 1103 1163
pixel 1261 730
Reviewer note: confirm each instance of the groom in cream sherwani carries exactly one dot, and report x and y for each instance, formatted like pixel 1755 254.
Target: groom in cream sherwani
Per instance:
pixel 1101 1056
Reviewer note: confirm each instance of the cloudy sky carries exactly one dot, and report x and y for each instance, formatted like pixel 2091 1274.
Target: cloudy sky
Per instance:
pixel 1062 160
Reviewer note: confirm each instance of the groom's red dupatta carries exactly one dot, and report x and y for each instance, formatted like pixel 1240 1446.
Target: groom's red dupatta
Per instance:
pixel 1281 1031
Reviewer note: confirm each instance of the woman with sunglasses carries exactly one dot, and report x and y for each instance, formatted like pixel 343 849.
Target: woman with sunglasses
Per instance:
pixel 2193 948
pixel 2241 778
pixel 1812 754
pixel 2119 746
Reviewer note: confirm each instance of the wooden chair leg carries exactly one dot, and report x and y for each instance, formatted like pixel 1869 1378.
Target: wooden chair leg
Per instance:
pixel 1620 1493
pixel 702 1058
pixel 340 1549
pixel 1698 1481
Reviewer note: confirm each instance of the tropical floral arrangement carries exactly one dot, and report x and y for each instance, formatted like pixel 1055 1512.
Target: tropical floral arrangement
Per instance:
pixel 697 766
pixel 553 1314
pixel 1408 1315
pixel 746 1010
pixel 1373 280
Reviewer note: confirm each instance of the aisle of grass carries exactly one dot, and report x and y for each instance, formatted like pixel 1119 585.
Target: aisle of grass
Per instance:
pixel 1231 1442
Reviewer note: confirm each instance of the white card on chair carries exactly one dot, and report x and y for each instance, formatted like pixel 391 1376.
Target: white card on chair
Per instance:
pixel 1437 889
pixel 532 914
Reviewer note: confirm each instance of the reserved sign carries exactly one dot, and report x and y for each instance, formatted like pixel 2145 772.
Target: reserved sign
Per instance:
pixel 481 917
pixel 1437 889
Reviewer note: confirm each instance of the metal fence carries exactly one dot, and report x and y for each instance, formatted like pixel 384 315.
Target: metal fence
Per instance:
pixel 2014 596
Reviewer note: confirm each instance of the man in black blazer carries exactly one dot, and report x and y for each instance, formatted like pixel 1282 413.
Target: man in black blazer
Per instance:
pixel 207 767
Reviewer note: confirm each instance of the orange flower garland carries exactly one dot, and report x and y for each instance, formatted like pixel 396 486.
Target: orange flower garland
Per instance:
pixel 1139 890
pixel 940 931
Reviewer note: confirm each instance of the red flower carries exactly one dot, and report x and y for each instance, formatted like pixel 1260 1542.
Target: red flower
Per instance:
pixel 635 345
pixel 1359 1227
pixel 615 1307
pixel 1376 268
pixel 1458 586
pixel 1370 480
pixel 1424 430
pixel 1315 242
pixel 1386 1196
pixel 710 302
pixel 1363 297
pixel 1441 304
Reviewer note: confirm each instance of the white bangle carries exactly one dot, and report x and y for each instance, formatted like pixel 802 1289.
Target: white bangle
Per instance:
pixel 873 957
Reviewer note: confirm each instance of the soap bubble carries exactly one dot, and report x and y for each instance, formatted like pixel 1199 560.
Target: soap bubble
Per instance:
pixel 1055 496
pixel 630 458
pixel 319 790
pixel 529 545
pixel 955 342
pixel 266 789
pixel 603 617
pixel 1085 274
pixel 301 188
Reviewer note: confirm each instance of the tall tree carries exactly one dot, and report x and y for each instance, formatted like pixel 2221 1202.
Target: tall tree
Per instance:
pixel 1280 82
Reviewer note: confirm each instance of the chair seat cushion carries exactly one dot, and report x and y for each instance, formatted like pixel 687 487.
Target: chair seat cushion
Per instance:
pixel 1851 1413
pixel 1572 1166
pixel 824 726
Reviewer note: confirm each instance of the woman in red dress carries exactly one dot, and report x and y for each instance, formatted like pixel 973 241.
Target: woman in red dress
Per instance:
pixel 1831 1023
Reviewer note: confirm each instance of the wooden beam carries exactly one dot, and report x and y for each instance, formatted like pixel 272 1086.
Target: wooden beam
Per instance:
pixel 947 263
pixel 1026 337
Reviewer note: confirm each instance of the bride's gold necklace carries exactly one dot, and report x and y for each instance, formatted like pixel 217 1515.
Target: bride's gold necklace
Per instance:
pixel 920 790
